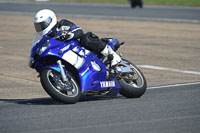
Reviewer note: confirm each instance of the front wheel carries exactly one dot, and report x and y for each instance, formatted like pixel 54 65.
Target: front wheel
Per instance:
pixel 68 92
pixel 133 84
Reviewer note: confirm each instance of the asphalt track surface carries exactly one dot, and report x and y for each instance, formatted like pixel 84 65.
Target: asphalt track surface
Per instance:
pixel 165 109
pixel 153 13
pixel 174 109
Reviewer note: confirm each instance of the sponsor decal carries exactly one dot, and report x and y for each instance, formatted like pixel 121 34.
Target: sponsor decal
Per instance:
pixel 63 49
pixel 105 84
pixel 81 51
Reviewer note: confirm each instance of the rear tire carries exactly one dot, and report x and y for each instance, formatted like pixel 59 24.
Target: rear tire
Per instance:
pixel 53 85
pixel 135 88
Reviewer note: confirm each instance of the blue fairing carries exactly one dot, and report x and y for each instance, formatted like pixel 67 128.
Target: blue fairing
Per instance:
pixel 90 75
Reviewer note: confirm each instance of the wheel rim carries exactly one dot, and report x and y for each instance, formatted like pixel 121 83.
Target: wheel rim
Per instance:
pixel 68 89
pixel 137 77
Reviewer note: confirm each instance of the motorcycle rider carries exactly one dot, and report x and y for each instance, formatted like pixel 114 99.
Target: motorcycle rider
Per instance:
pixel 46 23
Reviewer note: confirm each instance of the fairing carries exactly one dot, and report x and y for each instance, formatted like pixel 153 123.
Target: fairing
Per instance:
pixel 77 56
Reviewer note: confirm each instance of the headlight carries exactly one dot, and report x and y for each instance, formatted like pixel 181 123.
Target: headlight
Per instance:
pixel 43 47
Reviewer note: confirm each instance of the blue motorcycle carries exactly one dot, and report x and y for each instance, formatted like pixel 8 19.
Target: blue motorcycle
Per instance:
pixel 67 71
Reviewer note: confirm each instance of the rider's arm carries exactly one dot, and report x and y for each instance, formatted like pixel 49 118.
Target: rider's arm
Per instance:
pixel 75 31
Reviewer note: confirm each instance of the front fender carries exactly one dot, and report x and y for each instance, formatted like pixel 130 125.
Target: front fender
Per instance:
pixel 52 66
pixel 57 68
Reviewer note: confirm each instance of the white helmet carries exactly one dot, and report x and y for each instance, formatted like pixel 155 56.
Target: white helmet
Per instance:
pixel 44 21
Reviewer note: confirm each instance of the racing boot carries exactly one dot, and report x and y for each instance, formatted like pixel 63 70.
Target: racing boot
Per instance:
pixel 116 58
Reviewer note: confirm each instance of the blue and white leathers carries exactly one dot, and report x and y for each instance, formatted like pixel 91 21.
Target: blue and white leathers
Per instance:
pixel 91 71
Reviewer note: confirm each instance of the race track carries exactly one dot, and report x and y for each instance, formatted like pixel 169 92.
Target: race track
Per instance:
pixel 169 109
pixel 165 46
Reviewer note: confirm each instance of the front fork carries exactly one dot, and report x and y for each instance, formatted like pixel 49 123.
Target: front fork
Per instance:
pixel 62 72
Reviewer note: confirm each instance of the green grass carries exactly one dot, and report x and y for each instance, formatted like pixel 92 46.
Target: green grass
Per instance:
pixel 146 2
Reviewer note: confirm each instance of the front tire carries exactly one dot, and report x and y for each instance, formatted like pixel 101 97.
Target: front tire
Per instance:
pixel 67 93
pixel 133 88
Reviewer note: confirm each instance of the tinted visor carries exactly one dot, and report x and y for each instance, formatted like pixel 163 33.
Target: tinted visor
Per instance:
pixel 42 25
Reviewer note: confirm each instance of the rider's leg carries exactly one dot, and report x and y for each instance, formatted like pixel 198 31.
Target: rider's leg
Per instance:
pixel 92 42
pixel 108 50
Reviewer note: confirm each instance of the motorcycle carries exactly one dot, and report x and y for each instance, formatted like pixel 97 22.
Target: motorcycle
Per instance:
pixel 135 3
pixel 67 71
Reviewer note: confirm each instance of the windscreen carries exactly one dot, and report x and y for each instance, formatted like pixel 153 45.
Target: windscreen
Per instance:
pixel 36 39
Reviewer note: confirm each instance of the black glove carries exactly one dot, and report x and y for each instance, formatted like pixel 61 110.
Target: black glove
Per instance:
pixel 64 35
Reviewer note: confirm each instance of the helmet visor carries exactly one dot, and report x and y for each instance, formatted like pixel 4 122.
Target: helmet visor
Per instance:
pixel 42 25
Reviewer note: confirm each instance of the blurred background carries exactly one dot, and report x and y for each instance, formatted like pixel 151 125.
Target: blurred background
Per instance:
pixel 162 37
pixel 146 2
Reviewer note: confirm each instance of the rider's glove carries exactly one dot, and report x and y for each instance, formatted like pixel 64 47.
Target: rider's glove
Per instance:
pixel 63 35
pixel 70 35
pixel 66 35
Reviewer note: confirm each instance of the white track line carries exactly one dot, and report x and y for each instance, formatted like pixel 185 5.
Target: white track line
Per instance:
pixel 168 69
pixel 175 85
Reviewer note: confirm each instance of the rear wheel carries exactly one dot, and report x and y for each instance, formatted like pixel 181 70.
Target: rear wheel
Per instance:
pixel 133 85
pixel 68 92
